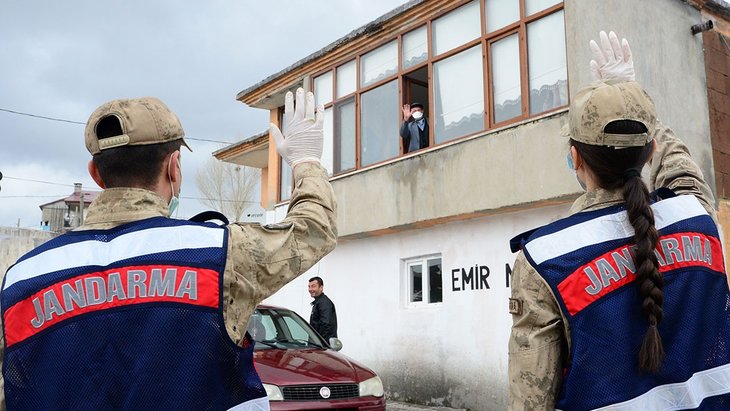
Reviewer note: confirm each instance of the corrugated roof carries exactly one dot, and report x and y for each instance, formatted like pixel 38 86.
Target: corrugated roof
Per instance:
pixel 234 146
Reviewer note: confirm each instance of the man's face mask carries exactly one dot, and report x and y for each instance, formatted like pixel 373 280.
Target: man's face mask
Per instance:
pixel 417 115
pixel 175 200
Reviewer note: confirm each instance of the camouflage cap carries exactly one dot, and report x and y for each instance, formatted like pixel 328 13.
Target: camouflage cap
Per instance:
pixel 143 121
pixel 600 103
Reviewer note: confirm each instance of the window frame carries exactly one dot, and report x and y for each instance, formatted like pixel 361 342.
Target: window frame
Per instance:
pixel 407 279
pixel 485 40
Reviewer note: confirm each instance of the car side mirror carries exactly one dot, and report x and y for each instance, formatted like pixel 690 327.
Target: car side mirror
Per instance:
pixel 335 344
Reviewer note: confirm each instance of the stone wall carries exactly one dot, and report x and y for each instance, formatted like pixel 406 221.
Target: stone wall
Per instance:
pixel 14 242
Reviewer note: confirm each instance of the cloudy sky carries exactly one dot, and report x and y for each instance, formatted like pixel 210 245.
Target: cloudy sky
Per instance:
pixel 63 59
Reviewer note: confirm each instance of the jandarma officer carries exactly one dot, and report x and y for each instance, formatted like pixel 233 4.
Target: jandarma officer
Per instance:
pixel 623 304
pixel 137 311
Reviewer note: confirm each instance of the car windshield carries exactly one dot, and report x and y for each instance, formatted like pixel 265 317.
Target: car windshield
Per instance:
pixel 282 329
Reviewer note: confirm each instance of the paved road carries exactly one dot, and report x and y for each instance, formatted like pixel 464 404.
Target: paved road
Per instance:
pixel 402 406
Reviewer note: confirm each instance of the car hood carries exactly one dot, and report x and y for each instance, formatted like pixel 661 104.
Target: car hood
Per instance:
pixel 308 366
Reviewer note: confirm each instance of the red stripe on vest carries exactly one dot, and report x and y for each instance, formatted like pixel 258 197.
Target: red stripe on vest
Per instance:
pixel 48 306
pixel 610 271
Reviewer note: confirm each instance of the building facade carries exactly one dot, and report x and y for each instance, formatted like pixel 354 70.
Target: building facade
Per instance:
pixel 421 274
pixel 67 213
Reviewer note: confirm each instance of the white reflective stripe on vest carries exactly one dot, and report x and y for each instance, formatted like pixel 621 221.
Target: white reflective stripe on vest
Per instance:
pixel 92 252
pixel 259 404
pixel 679 396
pixel 605 228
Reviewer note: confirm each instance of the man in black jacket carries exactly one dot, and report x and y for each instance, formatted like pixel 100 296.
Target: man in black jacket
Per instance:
pixel 414 129
pixel 324 316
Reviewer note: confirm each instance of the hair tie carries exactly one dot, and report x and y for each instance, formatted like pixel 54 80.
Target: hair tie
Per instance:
pixel 630 173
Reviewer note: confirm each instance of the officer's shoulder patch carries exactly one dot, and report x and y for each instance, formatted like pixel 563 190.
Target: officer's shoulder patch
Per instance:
pixel 515 306
pixel 279 226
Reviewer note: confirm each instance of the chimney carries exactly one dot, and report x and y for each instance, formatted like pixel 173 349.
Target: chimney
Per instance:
pixel 77 188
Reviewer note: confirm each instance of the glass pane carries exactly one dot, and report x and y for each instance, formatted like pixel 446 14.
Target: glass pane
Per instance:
pixel 296 330
pixel 346 79
pixel 379 124
pixel 458 95
pixel 546 59
pixel 379 64
pixel 416 282
pixel 344 141
pixel 533 6
pixel 500 13
pixel 456 28
pixel 415 47
pixel 328 146
pixel 435 286
pixel 506 78
pixel 323 88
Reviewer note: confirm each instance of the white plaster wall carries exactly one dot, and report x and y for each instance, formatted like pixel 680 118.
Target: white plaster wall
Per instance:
pixel 453 353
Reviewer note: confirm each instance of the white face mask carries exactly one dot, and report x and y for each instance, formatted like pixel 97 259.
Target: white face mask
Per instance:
pixel 417 115
pixel 175 200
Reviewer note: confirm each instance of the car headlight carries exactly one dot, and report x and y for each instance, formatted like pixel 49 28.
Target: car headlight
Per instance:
pixel 373 386
pixel 273 392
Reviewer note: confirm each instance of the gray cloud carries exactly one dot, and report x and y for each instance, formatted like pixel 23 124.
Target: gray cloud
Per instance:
pixel 63 59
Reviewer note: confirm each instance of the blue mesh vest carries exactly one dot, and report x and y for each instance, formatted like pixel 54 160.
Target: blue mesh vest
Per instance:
pixel 587 259
pixel 125 319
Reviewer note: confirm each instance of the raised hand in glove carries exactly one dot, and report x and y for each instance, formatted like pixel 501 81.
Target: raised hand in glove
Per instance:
pixel 612 60
pixel 304 135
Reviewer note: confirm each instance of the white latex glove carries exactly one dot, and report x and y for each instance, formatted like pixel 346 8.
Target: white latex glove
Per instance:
pixel 612 61
pixel 304 133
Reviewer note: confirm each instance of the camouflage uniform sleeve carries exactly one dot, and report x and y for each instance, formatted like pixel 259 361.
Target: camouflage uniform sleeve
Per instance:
pixel 536 343
pixel 262 259
pixel 673 167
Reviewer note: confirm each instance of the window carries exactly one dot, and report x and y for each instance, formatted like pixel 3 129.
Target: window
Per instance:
pixel 506 88
pixel 415 47
pixel 323 88
pixel 533 6
pixel 379 64
pixel 346 79
pixel 344 135
pixel 379 124
pixel 424 280
pixel 328 144
pixel 456 28
pixel 479 65
pixel 458 95
pixel 548 70
pixel 500 13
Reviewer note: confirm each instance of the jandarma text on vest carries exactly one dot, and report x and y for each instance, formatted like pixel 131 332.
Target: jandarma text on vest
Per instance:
pixel 113 288
pixel 618 267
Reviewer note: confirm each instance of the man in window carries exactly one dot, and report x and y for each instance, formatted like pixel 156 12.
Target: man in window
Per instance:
pixel 323 317
pixel 414 130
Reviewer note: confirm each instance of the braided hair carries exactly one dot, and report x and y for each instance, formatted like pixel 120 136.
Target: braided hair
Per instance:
pixel 620 169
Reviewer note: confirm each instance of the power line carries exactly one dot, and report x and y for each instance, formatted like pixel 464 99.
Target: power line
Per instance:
pixel 38 181
pixel 79 122
pixel 39 116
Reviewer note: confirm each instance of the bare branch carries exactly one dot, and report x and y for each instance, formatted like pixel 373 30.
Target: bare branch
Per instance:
pixel 227 187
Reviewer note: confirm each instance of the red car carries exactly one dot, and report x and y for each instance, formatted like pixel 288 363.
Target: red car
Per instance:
pixel 301 371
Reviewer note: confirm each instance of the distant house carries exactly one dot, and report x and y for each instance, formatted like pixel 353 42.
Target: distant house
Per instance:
pixel 67 213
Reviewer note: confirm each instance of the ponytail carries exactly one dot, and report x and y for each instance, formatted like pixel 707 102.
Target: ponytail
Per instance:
pixel 620 169
pixel 648 278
